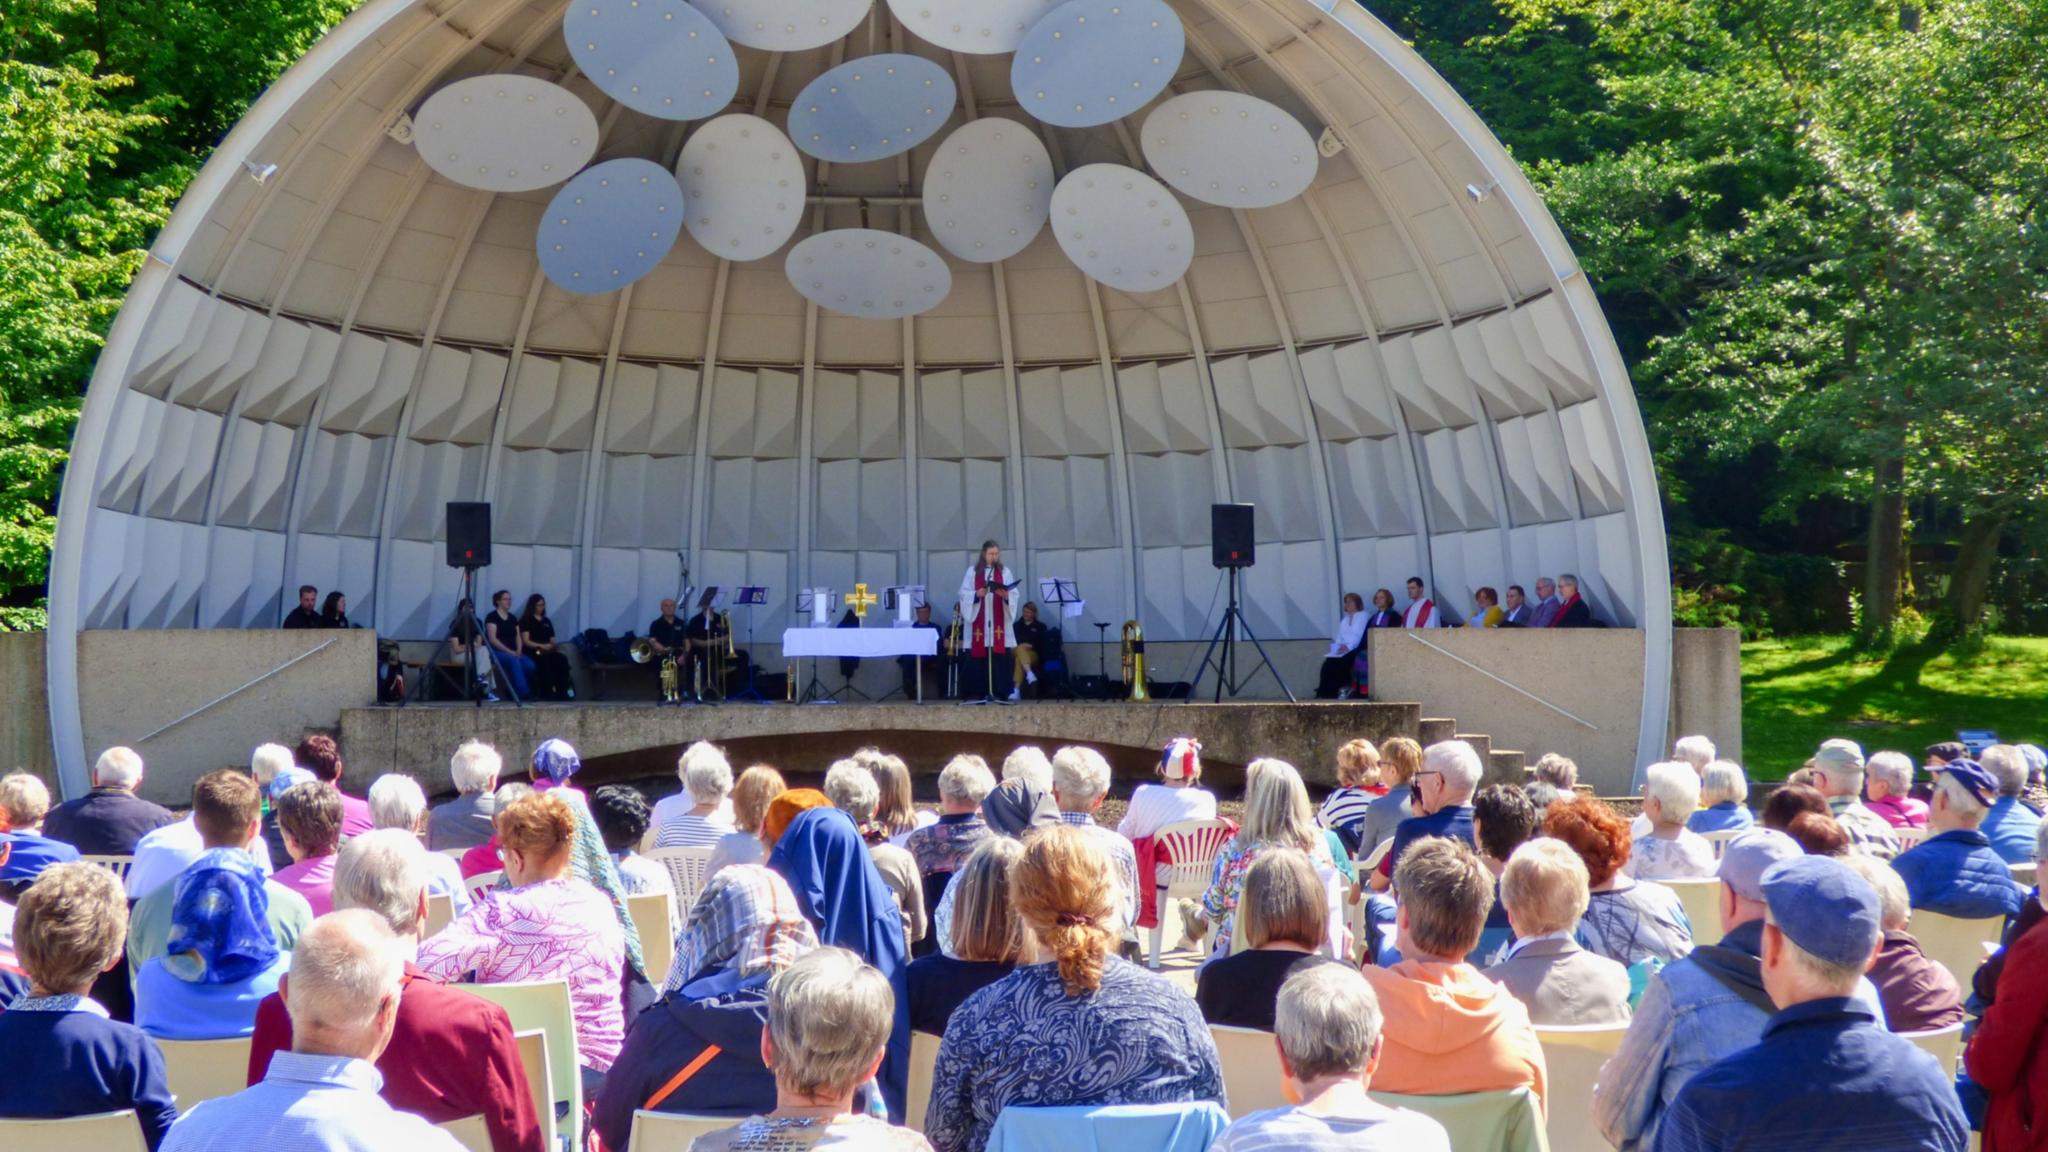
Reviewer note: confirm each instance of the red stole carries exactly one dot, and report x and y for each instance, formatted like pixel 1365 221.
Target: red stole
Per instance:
pixel 997 604
pixel 1562 609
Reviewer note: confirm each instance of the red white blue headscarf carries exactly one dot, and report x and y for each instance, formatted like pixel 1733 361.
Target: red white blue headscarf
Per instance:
pixel 1181 758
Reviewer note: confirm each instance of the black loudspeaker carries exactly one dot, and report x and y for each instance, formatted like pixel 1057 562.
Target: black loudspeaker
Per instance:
pixel 1230 536
pixel 469 534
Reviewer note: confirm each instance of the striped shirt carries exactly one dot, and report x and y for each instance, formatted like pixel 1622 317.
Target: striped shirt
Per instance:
pixel 1344 807
pixel 307 1103
pixel 687 831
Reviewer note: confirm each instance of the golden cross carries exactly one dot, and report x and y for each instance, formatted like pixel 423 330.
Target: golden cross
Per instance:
pixel 861 601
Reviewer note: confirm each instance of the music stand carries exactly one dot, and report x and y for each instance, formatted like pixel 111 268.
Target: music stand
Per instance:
pixel 750 597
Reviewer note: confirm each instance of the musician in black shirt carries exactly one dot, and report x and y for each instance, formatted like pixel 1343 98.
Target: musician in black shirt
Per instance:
pixel 667 631
pixel 551 678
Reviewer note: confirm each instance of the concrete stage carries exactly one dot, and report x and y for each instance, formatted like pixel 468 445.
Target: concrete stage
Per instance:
pixel 627 740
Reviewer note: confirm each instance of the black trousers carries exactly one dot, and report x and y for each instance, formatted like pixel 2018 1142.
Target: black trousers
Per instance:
pixel 975 675
pixel 1335 678
pixel 551 679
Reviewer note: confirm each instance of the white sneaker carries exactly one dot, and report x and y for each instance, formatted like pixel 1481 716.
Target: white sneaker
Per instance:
pixel 1030 677
pixel 1013 694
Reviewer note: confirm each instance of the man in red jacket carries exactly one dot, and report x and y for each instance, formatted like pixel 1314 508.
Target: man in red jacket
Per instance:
pixel 2008 1057
pixel 451 1054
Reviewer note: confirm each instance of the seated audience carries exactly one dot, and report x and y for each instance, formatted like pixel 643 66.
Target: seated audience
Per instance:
pixel 828 1021
pixel 310 815
pixel 485 857
pixel 343 1002
pixel 465 821
pixel 1697 751
pixel 1276 815
pixel 1724 800
pixel 1840 767
pixel 220 959
pixel 2008 1056
pixel 1858 1085
pixel 226 810
pixel 65 1057
pixel 623 817
pixel 783 811
pixel 1080 781
pixel 1012 811
pixel 1789 800
pixel 941 848
pixel 987 938
pixel 1888 790
pixel 1917 994
pixel 698 817
pixel 451 1054
pixel 1449 1030
pixel 853 791
pixel 1443 801
pixel 1400 760
pixel 1286 922
pixel 1358 784
pixel 319 755
pixel 1503 819
pixel 1560 772
pixel 744 928
pixel 1030 1039
pixel 397 802
pixel 274 771
pixel 897 812
pixel 1819 835
pixel 1029 763
pixel 1670 850
pixel 1626 920
pixel 1545 889
pixel 1542 795
pixel 2010 824
pixel 1178 796
pixel 24 801
pixel 108 820
pixel 1955 871
pixel 554 764
pixel 545 926
pixel 1486 611
pixel 750 796
pixel 1328 1027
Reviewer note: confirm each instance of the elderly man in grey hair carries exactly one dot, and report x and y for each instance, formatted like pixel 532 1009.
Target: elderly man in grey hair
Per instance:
pixel 1839 764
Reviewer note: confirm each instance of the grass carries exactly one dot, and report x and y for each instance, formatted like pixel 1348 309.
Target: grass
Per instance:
pixel 1800 691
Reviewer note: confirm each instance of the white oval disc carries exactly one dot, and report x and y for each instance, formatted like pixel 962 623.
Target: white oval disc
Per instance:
pixel 610 225
pixel 871 108
pixel 660 57
pixel 1230 149
pixel 744 186
pixel 976 26
pixel 868 273
pixel 505 133
pixel 1122 227
pixel 785 25
pixel 1089 62
pixel 988 189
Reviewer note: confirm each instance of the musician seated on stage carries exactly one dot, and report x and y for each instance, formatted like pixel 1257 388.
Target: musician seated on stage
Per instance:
pixel 934 676
pixel 667 630
pixel 708 669
pixel 1032 642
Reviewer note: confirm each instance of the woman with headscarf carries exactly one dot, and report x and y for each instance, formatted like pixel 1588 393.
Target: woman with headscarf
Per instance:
pixel 826 862
pixel 221 959
pixel 699 1049
pixel 1011 810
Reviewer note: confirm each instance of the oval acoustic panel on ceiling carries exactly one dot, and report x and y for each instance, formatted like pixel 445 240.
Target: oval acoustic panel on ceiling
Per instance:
pixel 1089 62
pixel 984 27
pixel 505 133
pixel 868 273
pixel 661 57
pixel 987 189
pixel 1122 227
pixel 744 185
pixel 610 225
pixel 871 108
pixel 1230 149
pixel 785 25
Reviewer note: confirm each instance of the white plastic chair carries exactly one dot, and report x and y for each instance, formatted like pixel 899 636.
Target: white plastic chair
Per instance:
pixel 118 865
pixel 1190 848
pixel 1720 839
pixel 650 916
pixel 1908 837
pixel 440 914
pixel 1251 1069
pixel 924 1060
pixel 1702 902
pixel 672 1131
pixel 205 1069
pixel 1573 1056
pixel 483 882
pixel 100 1132
pixel 543 1005
pixel 1944 1044
pixel 1510 1121
pixel 688 867
pixel 1955 944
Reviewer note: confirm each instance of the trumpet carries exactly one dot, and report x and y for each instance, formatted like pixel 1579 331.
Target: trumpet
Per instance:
pixel 1134 661
pixel 953 631
pixel 642 652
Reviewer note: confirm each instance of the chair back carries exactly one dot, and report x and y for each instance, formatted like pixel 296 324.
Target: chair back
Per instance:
pixel 100 1132
pixel 1702 902
pixel 1720 838
pixel 1955 944
pixel 2025 875
pixel 687 867
pixel 544 1005
pixel 1251 1069
pixel 118 865
pixel 1188 849
pixel 440 914
pixel 1908 837
pixel 205 1069
pixel 1944 1044
pixel 533 1061
pixel 1573 1056
pixel 1189 1127
pixel 672 1131
pixel 650 915
pixel 1372 859
pixel 469 1131
pixel 924 1058
pixel 1510 1121
pixel 483 882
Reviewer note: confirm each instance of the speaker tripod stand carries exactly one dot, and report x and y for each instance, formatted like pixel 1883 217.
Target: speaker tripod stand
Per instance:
pixel 1227 678
pixel 474 685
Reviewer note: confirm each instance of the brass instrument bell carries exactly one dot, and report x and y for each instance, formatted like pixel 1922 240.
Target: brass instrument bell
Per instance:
pixel 1134 661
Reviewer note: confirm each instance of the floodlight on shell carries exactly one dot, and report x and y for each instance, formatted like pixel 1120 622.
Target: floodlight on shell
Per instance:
pixel 1230 149
pixel 983 27
pixel 868 273
pixel 1122 227
pixel 744 185
pixel 988 189
pixel 661 57
pixel 505 133
pixel 785 25
pixel 610 225
pixel 871 108
pixel 1090 62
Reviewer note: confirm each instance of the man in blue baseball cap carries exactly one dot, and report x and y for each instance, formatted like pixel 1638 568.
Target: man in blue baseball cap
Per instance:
pixel 1955 871
pixel 1826 1074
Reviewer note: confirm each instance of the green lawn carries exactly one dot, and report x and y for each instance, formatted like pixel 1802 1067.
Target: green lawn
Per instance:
pixel 1800 691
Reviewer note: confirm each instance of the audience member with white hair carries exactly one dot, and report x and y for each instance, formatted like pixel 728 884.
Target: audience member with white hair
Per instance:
pixel 854 791
pixel 1724 800
pixel 275 769
pixel 1545 890
pixel 108 820
pixel 24 801
pixel 451 1054
pixel 1328 1028
pixel 2010 824
pixel 1955 871
pixel 1838 768
pixel 940 849
pixel 1286 924
pixel 465 821
pixel 1029 763
pixel 1560 772
pixel 1177 796
pixel 1080 782
pixel 700 815
pixel 1888 790
pixel 1696 751
pixel 1450 774
pixel 1918 994
pixel 343 1000
pixel 398 802
pixel 1277 814
pixel 1670 851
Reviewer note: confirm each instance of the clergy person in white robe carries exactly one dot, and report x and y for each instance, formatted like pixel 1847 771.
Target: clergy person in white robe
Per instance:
pixel 989 605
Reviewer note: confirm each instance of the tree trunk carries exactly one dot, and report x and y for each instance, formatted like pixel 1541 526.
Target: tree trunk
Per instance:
pixel 1884 566
pixel 1971 577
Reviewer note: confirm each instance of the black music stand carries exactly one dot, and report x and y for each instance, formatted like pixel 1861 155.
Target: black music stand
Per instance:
pixel 750 597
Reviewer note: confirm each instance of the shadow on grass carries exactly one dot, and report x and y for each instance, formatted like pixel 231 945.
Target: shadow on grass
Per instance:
pixel 1843 654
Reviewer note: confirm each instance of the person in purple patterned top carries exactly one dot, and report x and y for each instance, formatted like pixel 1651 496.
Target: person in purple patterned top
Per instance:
pixel 944 847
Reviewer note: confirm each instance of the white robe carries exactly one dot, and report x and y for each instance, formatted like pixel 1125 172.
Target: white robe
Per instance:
pixel 1350 634
pixel 970 607
pixel 1422 614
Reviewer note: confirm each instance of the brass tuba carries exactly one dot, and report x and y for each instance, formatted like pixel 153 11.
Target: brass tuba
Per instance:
pixel 1134 661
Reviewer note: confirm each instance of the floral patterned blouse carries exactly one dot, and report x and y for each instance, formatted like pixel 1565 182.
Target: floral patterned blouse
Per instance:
pixel 946 845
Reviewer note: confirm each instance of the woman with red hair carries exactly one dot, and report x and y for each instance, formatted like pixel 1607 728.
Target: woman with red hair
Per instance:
pixel 1628 920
